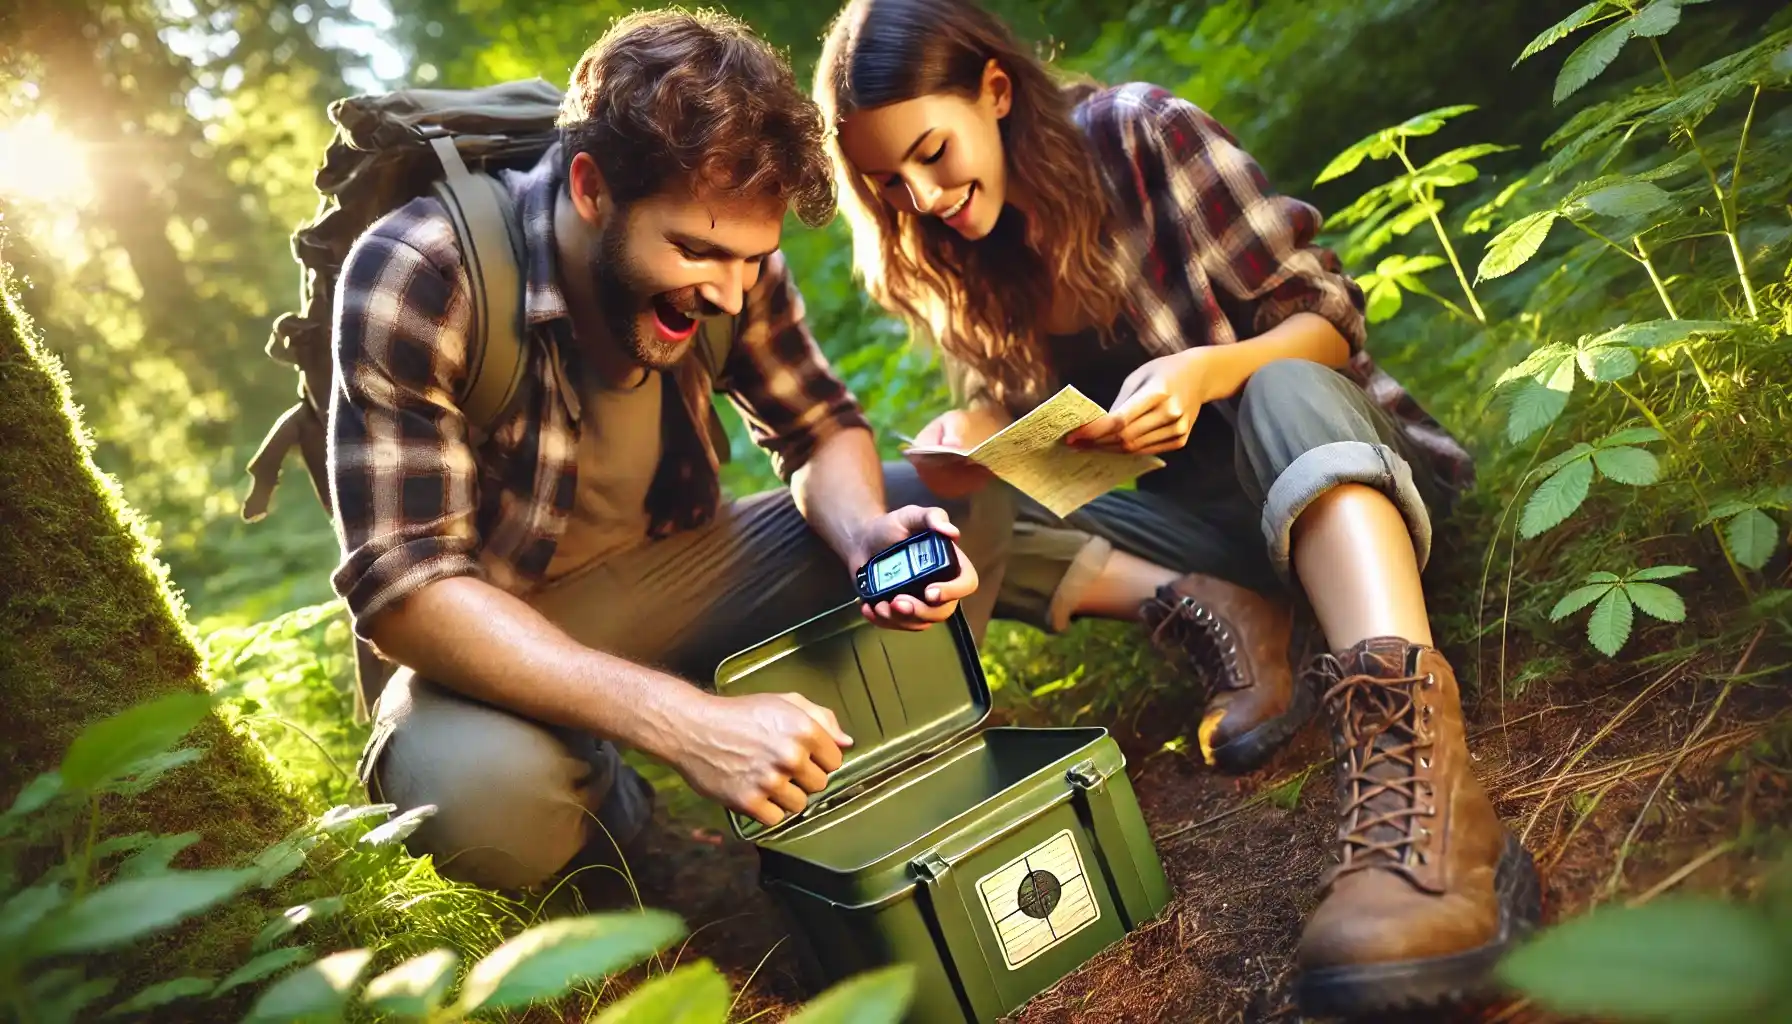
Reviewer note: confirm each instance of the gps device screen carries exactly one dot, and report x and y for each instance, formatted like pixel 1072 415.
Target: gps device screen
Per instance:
pixel 907 567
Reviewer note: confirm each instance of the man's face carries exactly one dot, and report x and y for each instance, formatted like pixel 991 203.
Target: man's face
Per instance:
pixel 662 262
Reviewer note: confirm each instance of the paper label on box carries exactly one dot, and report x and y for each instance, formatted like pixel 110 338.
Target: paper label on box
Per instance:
pixel 1039 899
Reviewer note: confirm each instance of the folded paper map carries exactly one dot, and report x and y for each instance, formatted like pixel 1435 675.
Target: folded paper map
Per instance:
pixel 1030 454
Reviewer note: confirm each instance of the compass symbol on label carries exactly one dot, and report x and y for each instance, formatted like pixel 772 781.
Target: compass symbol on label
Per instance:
pixel 1039 894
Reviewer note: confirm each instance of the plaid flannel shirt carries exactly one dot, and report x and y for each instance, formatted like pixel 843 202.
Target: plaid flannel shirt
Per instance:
pixel 1220 255
pixel 417 499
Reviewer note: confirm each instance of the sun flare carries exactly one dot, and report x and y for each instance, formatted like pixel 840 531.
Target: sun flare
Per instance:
pixel 40 164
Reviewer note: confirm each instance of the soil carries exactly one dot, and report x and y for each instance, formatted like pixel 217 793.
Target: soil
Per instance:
pixel 1245 867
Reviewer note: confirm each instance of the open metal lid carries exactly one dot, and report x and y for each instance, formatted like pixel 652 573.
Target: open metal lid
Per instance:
pixel 896 693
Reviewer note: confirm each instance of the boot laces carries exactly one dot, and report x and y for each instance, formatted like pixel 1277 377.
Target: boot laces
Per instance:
pixel 1379 745
pixel 1207 639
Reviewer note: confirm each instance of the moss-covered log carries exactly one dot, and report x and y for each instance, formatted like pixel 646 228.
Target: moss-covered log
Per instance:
pixel 90 626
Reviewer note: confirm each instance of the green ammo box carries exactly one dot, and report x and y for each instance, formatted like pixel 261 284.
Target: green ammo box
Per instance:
pixel 995 860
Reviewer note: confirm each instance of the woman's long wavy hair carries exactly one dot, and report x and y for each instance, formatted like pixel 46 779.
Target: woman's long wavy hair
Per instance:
pixel 981 302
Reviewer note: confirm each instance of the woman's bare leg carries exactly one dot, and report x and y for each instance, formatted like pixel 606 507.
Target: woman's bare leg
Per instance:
pixel 1354 557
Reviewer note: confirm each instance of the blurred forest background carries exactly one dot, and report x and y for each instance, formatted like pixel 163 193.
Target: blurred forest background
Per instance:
pixel 1615 210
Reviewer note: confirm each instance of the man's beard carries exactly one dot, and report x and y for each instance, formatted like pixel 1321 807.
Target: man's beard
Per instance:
pixel 622 295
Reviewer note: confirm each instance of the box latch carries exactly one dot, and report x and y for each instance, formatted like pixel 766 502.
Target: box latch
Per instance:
pixel 930 866
pixel 1083 775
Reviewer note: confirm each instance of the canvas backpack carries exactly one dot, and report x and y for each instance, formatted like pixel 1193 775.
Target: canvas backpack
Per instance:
pixel 388 149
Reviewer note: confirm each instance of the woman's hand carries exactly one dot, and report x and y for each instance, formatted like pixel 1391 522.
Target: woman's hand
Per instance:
pixel 948 477
pixel 1155 409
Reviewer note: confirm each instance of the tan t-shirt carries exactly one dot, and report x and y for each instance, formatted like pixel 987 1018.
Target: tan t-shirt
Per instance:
pixel 619 450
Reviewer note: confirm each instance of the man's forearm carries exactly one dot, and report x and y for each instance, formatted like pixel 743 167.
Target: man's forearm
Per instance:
pixel 482 642
pixel 840 489
pixel 1301 336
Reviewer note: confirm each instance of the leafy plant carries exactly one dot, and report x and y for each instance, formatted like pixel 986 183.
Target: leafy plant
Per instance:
pixel 1681 959
pixel 1617 599
pixel 107 895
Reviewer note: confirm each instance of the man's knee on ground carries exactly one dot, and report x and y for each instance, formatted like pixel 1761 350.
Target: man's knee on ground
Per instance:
pixel 510 810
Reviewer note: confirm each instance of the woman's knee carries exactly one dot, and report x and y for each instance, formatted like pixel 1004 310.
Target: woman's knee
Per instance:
pixel 1284 382
pixel 510 807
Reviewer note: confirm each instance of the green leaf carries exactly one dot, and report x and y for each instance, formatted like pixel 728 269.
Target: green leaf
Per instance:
pixel 107 747
pixel 25 908
pixel 342 815
pixel 1481 217
pixel 399 828
pixel 161 994
pixel 1657 19
pixel 1634 466
pixel 1580 450
pixel 1657 600
pixel 875 997
pixel 1604 577
pixel 1533 407
pixel 1678 958
pixel 1629 199
pixel 1655 333
pixel 36 794
pixel 1662 572
pixel 1556 499
pixel 1724 510
pixel 1782 62
pixel 1590 60
pixel 137 778
pixel 118 913
pixel 1630 435
pixel 416 987
pixel 292 917
pixel 1514 247
pixel 549 958
pixel 1540 365
pixel 1752 536
pixel 1607 362
pixel 1430 121
pixel 264 966
pixel 1383 301
pixel 1609 626
pixel 1464 154
pixel 693 994
pixel 1577 599
pixel 59 996
pixel 1347 161
pixel 1560 31
pixel 282 858
pixel 319 990
pixel 155 858
pixel 1403 266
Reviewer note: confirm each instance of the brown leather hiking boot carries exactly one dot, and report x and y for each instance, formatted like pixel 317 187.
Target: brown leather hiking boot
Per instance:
pixel 1429 889
pixel 1244 645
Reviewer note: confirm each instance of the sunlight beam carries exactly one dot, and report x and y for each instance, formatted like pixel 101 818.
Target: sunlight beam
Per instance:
pixel 42 165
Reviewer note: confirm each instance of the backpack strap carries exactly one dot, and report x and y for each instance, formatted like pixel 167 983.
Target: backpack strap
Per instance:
pixel 491 242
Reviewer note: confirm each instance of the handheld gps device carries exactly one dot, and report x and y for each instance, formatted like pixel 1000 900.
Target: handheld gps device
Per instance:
pixel 907 567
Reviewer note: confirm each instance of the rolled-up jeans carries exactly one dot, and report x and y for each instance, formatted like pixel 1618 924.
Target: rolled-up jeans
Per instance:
pixel 519 800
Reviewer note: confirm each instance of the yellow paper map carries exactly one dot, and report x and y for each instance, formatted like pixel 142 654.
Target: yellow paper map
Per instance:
pixel 1030 454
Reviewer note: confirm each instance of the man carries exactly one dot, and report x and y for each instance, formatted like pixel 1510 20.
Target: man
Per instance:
pixel 553 590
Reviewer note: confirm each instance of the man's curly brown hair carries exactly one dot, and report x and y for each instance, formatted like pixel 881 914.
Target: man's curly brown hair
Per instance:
pixel 675 98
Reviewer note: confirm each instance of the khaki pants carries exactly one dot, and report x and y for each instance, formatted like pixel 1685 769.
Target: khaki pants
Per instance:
pixel 518 801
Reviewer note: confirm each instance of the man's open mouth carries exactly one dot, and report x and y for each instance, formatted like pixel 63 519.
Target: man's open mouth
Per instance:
pixel 674 323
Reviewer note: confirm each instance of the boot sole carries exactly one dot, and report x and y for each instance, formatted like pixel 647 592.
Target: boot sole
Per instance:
pixel 1252 750
pixel 1402 985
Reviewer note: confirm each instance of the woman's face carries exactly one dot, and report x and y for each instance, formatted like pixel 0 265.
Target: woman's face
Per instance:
pixel 938 155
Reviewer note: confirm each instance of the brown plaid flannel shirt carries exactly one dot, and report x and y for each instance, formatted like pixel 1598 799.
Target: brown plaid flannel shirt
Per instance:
pixel 417 499
pixel 1220 255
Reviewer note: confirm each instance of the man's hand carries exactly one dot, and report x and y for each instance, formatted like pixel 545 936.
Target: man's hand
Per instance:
pixel 903 611
pixel 961 429
pixel 762 755
pixel 1155 409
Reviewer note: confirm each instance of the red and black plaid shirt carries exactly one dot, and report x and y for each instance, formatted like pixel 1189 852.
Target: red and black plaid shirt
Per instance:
pixel 415 499
pixel 1198 217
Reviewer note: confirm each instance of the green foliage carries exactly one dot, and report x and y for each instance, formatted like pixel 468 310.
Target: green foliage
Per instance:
pixel 1608 628
pixel 1686 959
pixel 80 904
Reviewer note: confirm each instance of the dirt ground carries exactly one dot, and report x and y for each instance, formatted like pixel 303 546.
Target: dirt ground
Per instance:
pixel 1244 865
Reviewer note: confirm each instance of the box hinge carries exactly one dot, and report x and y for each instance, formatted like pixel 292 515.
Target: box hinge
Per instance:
pixel 930 866
pixel 1083 774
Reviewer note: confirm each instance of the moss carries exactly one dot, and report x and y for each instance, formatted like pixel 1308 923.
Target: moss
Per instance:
pixel 89 625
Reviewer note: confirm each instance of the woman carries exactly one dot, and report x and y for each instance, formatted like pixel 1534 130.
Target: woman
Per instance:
pixel 1118 240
